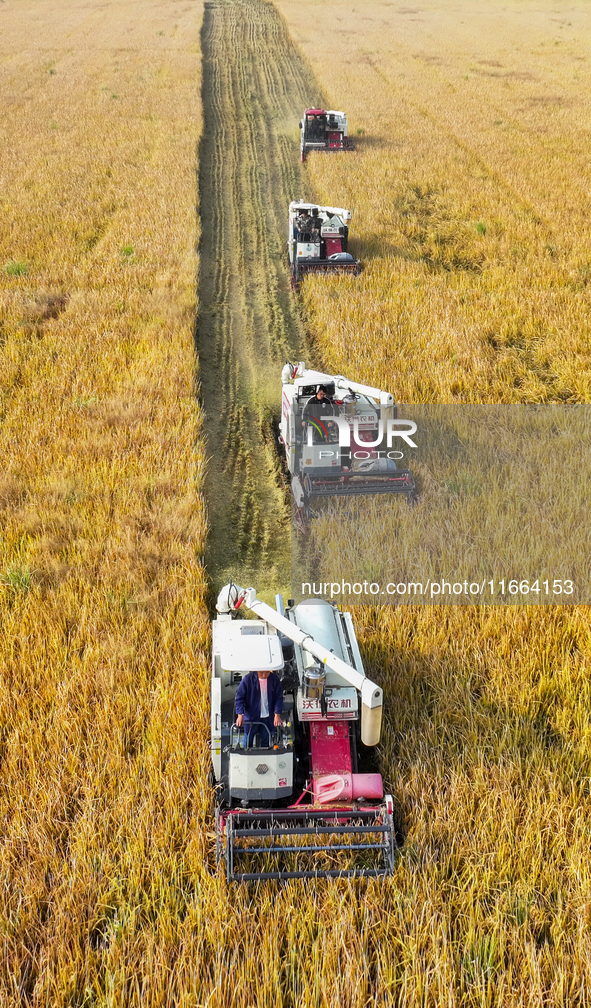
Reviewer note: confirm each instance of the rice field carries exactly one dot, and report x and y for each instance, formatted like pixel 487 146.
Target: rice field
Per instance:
pixel 104 629
pixel 474 238
pixel 470 214
pixel 470 197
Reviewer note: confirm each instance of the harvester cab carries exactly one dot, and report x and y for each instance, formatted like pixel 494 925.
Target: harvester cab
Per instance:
pixel 324 131
pixel 318 240
pixel 294 804
pixel 341 439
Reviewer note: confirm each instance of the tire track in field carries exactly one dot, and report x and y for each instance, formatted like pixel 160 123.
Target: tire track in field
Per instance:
pixel 255 86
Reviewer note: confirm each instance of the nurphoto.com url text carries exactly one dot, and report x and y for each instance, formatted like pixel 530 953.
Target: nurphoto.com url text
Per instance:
pixel 493 588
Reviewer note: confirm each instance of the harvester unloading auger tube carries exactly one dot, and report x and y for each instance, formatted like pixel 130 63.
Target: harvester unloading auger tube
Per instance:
pixel 345 443
pixel 291 802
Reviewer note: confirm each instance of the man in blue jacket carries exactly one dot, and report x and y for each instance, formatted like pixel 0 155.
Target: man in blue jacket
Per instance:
pixel 259 699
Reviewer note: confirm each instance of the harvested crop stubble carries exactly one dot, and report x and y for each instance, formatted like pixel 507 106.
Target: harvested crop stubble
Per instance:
pixel 254 84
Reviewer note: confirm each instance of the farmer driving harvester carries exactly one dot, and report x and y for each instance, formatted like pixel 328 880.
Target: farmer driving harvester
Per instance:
pixel 317 411
pixel 308 225
pixel 259 703
pixel 317 127
pixel 304 222
pixel 316 224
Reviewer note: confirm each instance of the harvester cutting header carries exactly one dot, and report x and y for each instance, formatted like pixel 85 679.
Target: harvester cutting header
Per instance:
pixel 323 131
pixel 291 800
pixel 318 238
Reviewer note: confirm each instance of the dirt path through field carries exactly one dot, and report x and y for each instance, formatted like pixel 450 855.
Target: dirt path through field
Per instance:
pixel 255 86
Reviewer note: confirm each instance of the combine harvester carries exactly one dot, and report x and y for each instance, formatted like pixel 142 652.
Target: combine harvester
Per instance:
pixel 344 445
pixel 297 806
pixel 323 131
pixel 318 238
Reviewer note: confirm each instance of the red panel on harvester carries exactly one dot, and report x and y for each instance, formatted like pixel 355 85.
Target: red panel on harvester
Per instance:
pixel 333 245
pixel 331 749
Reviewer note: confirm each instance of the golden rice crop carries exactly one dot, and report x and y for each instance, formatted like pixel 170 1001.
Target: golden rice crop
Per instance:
pixel 470 217
pixel 107 892
pixel 469 199
pixel 103 620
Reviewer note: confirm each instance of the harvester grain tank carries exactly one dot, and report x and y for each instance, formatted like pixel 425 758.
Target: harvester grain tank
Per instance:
pixel 318 238
pixel 295 804
pixel 324 130
pixel 351 447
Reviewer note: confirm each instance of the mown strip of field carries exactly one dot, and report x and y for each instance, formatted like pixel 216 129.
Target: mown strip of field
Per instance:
pixel 254 87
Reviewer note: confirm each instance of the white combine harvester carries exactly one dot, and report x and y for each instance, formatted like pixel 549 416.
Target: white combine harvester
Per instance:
pixel 295 804
pixel 318 239
pixel 352 445
pixel 324 130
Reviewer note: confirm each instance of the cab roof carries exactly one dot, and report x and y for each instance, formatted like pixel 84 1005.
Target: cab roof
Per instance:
pixel 329 112
pixel 249 652
pixel 296 205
